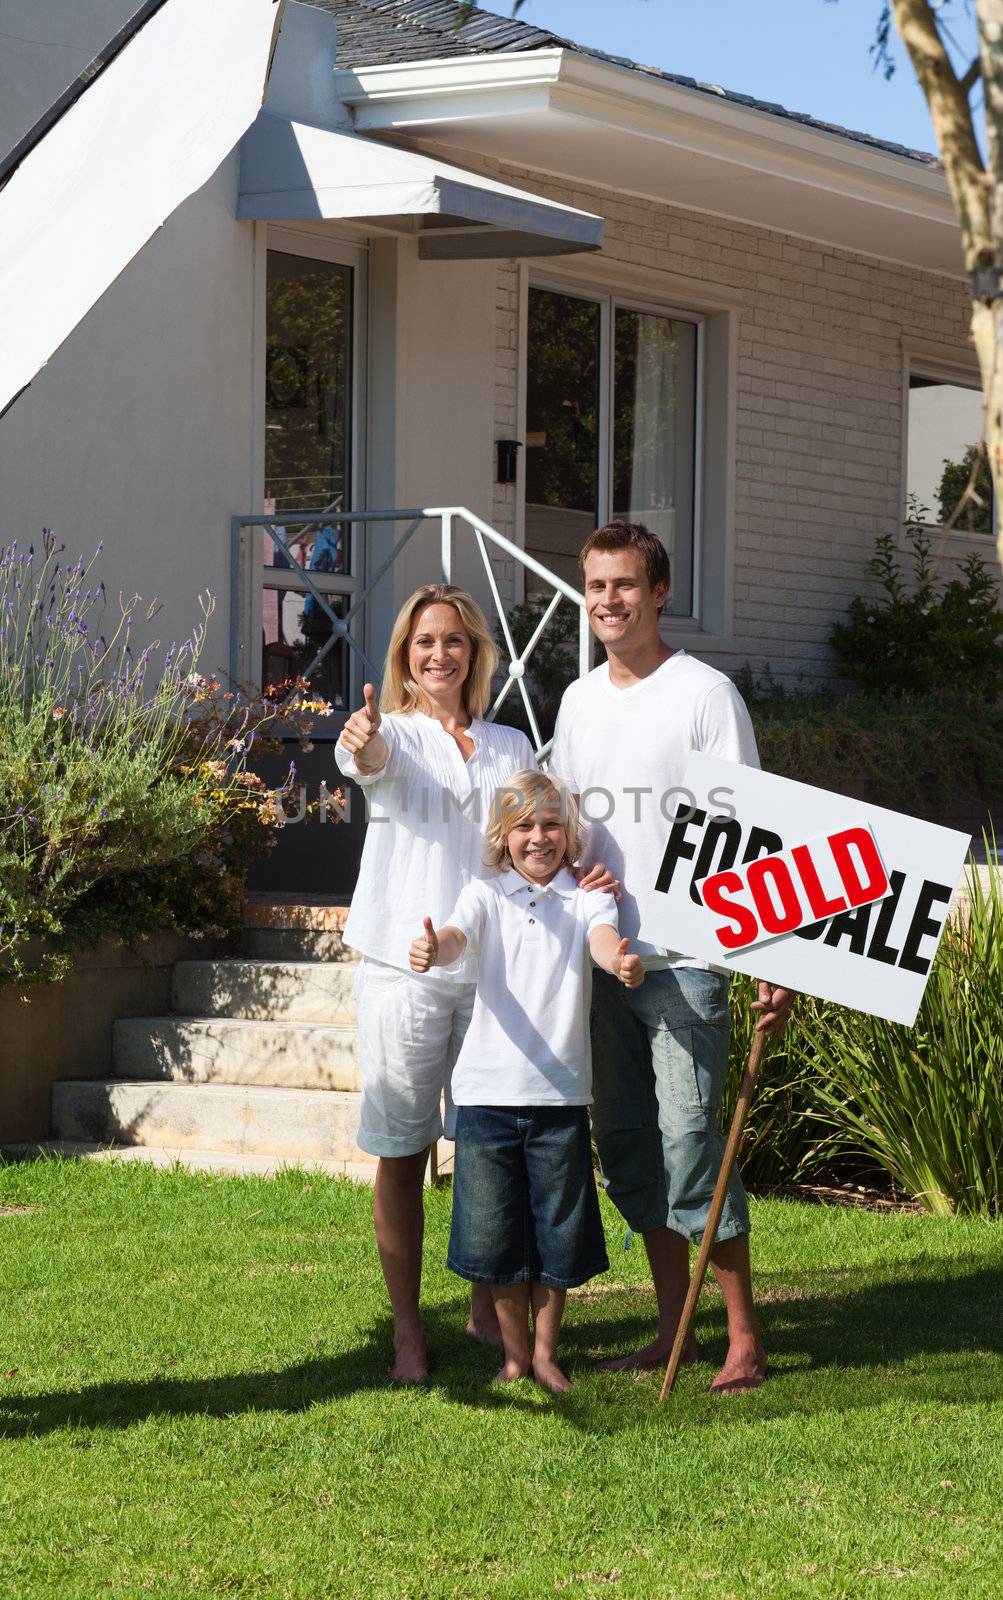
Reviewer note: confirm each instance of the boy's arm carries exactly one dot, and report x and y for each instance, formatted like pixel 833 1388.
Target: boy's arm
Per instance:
pixel 432 949
pixel 609 951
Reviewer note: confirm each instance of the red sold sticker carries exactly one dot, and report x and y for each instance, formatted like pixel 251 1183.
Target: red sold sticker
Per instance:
pixel 780 894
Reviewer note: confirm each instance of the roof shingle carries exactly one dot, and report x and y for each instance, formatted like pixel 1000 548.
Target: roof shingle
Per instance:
pixel 378 32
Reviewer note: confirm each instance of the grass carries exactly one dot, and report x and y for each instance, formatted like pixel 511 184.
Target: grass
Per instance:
pixel 195 1405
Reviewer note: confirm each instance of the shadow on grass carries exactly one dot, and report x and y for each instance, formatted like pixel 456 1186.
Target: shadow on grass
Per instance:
pixel 928 1338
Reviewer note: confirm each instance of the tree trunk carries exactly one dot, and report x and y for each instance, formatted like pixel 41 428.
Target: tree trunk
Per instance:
pixel 977 193
pixel 989 339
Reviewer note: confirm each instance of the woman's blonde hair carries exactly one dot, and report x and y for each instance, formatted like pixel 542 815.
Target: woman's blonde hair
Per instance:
pixel 525 795
pixel 399 691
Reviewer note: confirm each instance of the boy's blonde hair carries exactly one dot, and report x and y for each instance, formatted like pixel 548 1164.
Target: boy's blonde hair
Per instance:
pixel 525 796
pixel 399 691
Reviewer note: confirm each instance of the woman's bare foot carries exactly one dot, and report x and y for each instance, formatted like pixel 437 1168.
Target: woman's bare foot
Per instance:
pixel 655 1354
pixel 511 1370
pixel 482 1323
pixel 744 1369
pixel 410 1359
pixel 548 1373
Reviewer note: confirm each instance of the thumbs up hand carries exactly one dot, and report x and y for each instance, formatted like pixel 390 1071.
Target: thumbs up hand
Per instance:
pixel 425 949
pixel 630 969
pixel 362 733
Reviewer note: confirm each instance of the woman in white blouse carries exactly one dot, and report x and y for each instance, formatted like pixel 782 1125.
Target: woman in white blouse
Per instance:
pixel 430 765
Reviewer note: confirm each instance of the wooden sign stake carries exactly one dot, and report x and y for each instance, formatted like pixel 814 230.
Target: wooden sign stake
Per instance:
pixel 745 1094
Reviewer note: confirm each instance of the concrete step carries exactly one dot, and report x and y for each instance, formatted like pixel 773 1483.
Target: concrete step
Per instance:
pixel 285 927
pixel 296 944
pixel 304 1125
pixel 267 991
pixel 226 1161
pixel 213 1050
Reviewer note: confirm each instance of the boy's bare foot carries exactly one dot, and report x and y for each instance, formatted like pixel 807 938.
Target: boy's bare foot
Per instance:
pixel 655 1354
pixel 744 1369
pixel 410 1359
pixel 548 1373
pixel 482 1324
pixel 511 1370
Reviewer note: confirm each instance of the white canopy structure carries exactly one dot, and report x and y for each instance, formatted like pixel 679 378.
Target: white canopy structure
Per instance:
pixel 292 170
pixel 144 127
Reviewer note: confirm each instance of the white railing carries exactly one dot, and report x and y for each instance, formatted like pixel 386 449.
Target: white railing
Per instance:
pixel 455 523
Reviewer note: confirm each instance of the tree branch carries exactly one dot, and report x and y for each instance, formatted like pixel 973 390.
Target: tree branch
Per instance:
pixel 967 83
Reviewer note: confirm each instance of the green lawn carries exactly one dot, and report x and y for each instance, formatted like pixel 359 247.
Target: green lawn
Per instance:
pixel 195 1405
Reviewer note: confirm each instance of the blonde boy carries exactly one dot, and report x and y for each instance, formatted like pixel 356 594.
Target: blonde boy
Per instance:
pixel 525 1213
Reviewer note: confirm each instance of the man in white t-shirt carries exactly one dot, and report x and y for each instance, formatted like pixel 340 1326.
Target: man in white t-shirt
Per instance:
pixel 660 1053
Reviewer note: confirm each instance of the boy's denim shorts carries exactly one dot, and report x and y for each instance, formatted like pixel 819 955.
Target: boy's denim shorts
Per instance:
pixel 659 1061
pixel 525 1207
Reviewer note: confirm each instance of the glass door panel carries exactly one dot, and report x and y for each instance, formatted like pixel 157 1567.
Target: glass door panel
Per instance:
pixel 308 457
pixel 654 435
pixel 562 429
pixel 308 378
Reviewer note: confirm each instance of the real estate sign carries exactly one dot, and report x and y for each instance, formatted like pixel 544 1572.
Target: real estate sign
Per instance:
pixel 810 890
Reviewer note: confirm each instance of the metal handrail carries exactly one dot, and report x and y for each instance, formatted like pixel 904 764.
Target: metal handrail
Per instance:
pixel 448 517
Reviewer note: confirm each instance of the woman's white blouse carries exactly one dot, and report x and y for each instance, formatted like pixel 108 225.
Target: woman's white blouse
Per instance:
pixel 425 838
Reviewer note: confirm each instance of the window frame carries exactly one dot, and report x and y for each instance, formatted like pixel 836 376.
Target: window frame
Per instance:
pixel 926 362
pixel 611 299
pixel 341 251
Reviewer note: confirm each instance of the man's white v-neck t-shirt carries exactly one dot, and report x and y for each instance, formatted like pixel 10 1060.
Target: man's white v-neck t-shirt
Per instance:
pixel 625 752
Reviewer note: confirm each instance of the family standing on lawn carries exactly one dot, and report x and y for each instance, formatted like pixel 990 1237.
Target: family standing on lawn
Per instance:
pixel 479 904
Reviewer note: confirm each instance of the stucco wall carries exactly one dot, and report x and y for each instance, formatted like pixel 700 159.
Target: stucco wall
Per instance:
pixel 818 394
pixel 139 430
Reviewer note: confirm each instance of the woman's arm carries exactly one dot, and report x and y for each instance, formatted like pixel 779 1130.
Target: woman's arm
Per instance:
pixel 609 951
pixel 362 738
pixel 432 949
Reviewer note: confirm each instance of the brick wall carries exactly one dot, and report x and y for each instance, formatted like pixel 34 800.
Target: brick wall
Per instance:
pixel 819 405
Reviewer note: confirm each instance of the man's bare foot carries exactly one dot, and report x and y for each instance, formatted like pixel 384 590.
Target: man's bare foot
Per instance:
pixel 548 1373
pixel 482 1323
pixel 655 1354
pixel 410 1359
pixel 511 1370
pixel 744 1369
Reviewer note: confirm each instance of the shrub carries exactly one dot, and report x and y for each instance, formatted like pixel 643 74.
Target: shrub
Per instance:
pixel 126 804
pixel 786 1139
pixel 926 1103
pixel 915 640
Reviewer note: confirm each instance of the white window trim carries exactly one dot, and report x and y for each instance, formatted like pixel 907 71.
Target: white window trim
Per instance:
pixel 319 246
pixel 662 294
pixel 932 361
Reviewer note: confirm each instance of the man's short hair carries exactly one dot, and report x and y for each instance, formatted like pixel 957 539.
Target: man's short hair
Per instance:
pixel 630 536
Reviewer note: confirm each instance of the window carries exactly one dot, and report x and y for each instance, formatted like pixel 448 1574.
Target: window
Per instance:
pixel 611 430
pixel 944 442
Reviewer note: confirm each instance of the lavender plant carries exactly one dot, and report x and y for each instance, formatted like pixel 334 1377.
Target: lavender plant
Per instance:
pixel 126 799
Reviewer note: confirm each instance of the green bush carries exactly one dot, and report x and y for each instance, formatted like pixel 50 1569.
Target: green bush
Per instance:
pixel 915 753
pixel 926 1103
pixel 126 802
pixel 916 640
pixel 786 1139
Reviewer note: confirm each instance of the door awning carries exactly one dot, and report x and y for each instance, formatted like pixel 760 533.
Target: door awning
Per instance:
pixel 293 171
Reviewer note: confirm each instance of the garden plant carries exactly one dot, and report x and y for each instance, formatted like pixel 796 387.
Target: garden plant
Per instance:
pixel 127 802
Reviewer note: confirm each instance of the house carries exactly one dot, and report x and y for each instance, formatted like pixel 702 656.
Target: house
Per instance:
pixel 492 270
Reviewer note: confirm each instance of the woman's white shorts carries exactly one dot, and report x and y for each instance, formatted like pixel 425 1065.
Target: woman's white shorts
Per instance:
pixel 411 1026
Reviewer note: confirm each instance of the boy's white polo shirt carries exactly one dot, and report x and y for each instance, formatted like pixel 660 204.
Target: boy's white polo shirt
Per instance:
pixel 528 1040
